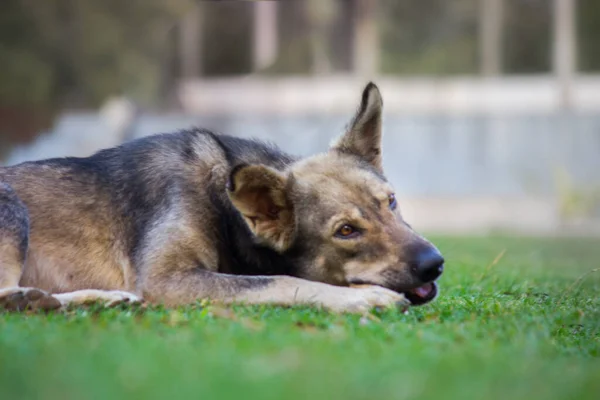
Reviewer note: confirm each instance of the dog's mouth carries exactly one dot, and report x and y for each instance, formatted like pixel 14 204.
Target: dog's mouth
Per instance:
pixel 417 296
pixel 422 294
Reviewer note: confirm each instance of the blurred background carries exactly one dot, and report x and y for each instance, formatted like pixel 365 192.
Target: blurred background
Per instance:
pixel 491 107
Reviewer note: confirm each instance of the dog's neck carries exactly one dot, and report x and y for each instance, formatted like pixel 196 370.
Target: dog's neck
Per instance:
pixel 240 253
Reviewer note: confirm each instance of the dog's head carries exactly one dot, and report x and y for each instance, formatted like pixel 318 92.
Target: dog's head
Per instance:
pixel 336 215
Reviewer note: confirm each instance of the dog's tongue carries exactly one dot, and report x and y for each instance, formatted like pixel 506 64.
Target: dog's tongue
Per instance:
pixel 423 291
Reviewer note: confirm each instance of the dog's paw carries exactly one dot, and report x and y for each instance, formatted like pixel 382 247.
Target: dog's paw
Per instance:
pixel 363 299
pixel 118 297
pixel 105 298
pixel 21 299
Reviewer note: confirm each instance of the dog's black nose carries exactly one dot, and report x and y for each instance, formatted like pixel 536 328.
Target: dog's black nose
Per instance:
pixel 429 265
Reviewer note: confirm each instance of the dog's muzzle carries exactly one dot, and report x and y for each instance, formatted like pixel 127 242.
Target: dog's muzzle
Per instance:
pixel 427 267
pixel 422 294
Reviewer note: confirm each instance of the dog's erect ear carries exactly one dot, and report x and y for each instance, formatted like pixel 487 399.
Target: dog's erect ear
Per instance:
pixel 363 137
pixel 260 195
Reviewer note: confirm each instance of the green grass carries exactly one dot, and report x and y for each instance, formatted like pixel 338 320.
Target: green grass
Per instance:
pixel 524 327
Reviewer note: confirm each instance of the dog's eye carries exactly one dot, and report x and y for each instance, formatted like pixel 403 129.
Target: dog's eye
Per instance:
pixel 392 201
pixel 347 232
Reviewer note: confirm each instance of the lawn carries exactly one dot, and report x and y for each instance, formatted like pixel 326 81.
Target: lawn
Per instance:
pixel 516 319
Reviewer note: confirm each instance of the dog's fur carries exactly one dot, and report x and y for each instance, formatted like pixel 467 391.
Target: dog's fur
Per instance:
pixel 179 217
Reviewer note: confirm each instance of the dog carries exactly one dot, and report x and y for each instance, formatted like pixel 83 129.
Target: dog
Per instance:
pixel 176 218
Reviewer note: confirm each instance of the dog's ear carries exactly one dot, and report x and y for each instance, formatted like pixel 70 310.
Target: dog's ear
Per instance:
pixel 260 194
pixel 363 137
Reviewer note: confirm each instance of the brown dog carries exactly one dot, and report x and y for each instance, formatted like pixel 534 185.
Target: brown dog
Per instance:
pixel 179 217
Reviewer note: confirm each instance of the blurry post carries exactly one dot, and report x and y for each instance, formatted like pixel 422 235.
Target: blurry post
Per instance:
pixel 191 43
pixel 366 38
pixel 490 36
pixel 320 14
pixel 564 49
pixel 265 33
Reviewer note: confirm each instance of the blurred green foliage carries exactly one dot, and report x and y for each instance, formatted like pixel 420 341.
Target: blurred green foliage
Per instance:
pixel 78 52
pixel 82 49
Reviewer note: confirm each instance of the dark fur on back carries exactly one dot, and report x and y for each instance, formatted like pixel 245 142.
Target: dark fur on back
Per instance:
pixel 141 192
pixel 15 220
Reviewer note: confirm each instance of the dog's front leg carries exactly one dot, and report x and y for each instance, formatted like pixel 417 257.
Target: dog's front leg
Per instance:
pixel 185 287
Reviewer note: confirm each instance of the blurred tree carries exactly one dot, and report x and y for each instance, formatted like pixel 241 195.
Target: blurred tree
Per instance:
pixel 296 47
pixel 429 37
pixel 588 24
pixel 81 51
pixel 26 76
pixel 227 39
pixel 78 52
pixel 527 36
pixel 314 37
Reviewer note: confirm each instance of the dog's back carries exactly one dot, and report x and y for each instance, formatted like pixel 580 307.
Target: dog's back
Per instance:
pixel 87 214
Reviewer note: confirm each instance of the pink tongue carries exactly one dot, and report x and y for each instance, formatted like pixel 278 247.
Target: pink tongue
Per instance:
pixel 424 290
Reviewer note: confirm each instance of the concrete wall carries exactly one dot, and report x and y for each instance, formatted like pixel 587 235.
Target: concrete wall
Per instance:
pixel 524 169
pixel 439 155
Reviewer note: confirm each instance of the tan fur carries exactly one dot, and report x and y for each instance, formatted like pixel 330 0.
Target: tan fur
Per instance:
pixel 69 240
pixel 10 269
